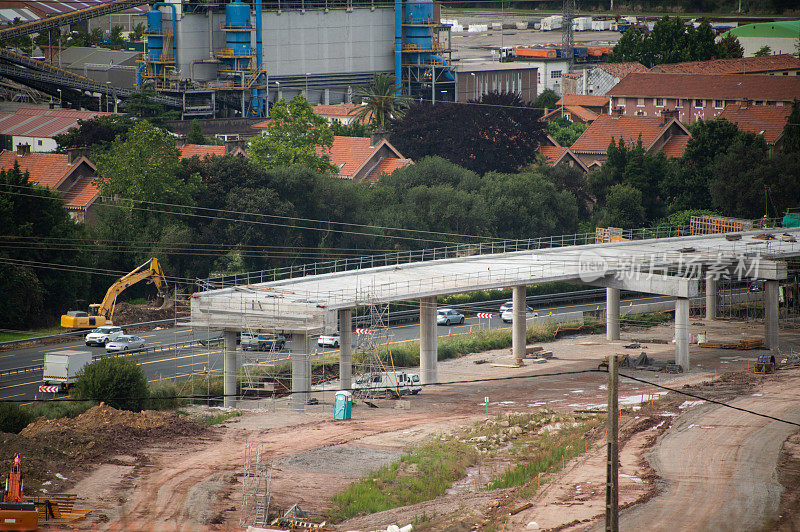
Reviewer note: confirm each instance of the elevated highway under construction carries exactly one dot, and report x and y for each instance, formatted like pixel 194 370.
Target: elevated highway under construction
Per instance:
pixel 680 267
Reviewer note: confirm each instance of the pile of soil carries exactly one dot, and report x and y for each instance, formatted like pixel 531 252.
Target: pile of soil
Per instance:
pixel 102 416
pixel 125 313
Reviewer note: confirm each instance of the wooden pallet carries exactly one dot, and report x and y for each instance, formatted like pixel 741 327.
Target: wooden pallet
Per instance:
pixel 62 508
pixel 744 345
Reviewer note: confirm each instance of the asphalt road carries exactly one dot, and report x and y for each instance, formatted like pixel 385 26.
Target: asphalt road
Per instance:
pixel 199 359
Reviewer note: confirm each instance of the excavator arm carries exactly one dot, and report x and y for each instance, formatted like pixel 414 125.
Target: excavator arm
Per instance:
pixel 149 270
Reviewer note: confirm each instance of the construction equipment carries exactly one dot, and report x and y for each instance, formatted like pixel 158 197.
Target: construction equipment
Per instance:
pixel 102 313
pixel 15 512
pixel 765 364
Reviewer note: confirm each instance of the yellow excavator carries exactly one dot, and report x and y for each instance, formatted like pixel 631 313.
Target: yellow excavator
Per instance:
pixel 102 313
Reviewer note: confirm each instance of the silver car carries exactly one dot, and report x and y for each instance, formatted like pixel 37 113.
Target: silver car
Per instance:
pixel 506 306
pixel 104 335
pixel 448 316
pixel 125 343
pixel 508 315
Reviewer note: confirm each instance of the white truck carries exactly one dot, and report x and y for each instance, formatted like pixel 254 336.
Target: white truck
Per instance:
pixel 389 383
pixel 62 367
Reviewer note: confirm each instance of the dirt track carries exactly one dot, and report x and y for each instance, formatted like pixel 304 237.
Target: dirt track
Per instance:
pixel 718 465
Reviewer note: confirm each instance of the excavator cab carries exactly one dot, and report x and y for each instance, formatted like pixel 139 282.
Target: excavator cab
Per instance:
pixel 15 512
pixel 102 313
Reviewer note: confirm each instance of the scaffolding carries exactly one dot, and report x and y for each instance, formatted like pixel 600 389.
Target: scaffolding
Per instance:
pixel 374 370
pixel 708 225
pixel 256 482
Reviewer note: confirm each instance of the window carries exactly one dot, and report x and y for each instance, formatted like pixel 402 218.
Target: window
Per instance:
pixel 719 104
pixel 679 103
pixel 639 102
pixel 538 77
pixel 659 102
pixel 555 74
pixel 40 142
pixel 699 104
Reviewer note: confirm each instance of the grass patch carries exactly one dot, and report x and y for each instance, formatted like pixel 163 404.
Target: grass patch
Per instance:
pixel 420 475
pixel 8 336
pixel 216 419
pixel 649 319
pixel 57 409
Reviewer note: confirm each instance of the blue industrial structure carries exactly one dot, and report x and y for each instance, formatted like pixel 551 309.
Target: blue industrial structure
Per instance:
pixel 423 69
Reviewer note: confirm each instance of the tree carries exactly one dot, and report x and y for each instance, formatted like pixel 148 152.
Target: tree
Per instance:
pixel 729 47
pixel 498 133
pixel 791 131
pixel 623 208
pixel 117 381
pixel 292 137
pixel 546 100
pixel 116 37
pixel 353 129
pixel 763 51
pixel 670 41
pixel 97 134
pixel 381 102
pixel 138 32
pixel 142 105
pixel 565 132
pixel 195 135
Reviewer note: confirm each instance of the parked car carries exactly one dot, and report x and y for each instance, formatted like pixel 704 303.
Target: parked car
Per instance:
pixel 506 306
pixel 448 316
pixel 508 315
pixel 124 343
pixel 329 340
pixel 103 335
pixel 262 342
pixel 756 286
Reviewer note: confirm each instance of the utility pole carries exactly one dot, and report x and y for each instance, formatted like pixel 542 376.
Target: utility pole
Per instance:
pixel 612 460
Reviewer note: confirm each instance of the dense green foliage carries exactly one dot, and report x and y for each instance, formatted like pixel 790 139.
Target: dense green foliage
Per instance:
pixel 117 381
pixel 671 41
pixel 13 418
pixel 381 102
pixel 565 132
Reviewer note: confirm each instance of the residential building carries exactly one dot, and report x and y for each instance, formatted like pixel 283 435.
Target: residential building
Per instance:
pixel 579 108
pixel 363 159
pixel 698 96
pixel 780 36
pixel 340 113
pixel 71 175
pixel 200 150
pixel 765 120
pixel 37 126
pixel 599 79
pixel 773 65
pixel 473 80
pixel 555 154
pixel 662 134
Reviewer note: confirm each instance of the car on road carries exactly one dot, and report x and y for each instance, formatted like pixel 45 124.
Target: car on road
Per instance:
pixel 448 316
pixel 506 306
pixel 508 315
pixel 262 342
pixel 126 342
pixel 103 335
pixel 329 340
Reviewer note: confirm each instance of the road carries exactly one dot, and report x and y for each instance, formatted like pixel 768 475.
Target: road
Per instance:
pixel 198 359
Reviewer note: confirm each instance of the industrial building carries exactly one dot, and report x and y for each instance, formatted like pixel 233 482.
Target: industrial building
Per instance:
pixel 233 59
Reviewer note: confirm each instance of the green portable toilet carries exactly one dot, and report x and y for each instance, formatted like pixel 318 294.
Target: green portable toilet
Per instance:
pixel 342 405
pixel 792 219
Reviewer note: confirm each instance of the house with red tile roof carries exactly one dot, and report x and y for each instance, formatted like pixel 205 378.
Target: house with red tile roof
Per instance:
pixel 201 150
pixel 555 154
pixel 573 113
pixel 765 120
pixel 698 96
pixel 658 134
pixel 599 79
pixel 773 65
pixel 363 159
pixel 337 113
pixel 36 126
pixel 69 174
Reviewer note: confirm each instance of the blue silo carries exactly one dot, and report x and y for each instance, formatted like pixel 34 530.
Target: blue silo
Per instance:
pixel 238 29
pixel 155 38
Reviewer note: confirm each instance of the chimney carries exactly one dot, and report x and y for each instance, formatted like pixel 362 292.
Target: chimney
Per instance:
pixel 377 135
pixel 73 154
pixel 23 149
pixel 667 115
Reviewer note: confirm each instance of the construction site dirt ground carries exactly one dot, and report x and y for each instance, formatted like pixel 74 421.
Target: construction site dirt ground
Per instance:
pixel 715 464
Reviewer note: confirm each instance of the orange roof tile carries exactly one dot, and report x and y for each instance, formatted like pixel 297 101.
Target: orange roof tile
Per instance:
pixel 767 120
pixel 675 146
pixel 201 150
pixel 348 153
pixel 261 125
pixel 386 166
pixel 46 169
pixel 620 70
pixel 584 100
pixel 341 109
pixel 718 86
pixel 82 194
pixel 741 65
pixel 552 153
pixel 600 133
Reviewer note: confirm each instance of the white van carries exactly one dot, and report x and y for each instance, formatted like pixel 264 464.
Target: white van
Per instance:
pixel 389 383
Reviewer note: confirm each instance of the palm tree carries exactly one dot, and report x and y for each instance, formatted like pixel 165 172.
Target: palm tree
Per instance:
pixel 381 101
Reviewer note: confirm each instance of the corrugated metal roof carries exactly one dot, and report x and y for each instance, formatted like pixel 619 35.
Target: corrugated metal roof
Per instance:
pixel 54 7
pixel 77 56
pixel 37 122
pixel 9 15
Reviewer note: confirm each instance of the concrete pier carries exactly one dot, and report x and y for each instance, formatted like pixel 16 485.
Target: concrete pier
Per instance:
pixel 428 341
pixel 301 371
pixel 612 313
pixel 230 368
pixel 518 325
pixel 711 297
pixel 345 349
pixel 682 332
pixel 771 314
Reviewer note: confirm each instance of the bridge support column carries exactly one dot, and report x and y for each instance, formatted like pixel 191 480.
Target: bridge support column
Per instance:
pixel 518 323
pixel 612 313
pixel 771 314
pixel 345 349
pixel 230 368
pixel 711 296
pixel 301 371
pixel 428 341
pixel 682 332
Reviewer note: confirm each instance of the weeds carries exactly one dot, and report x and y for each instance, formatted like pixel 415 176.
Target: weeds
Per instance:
pixel 57 409
pixel 216 419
